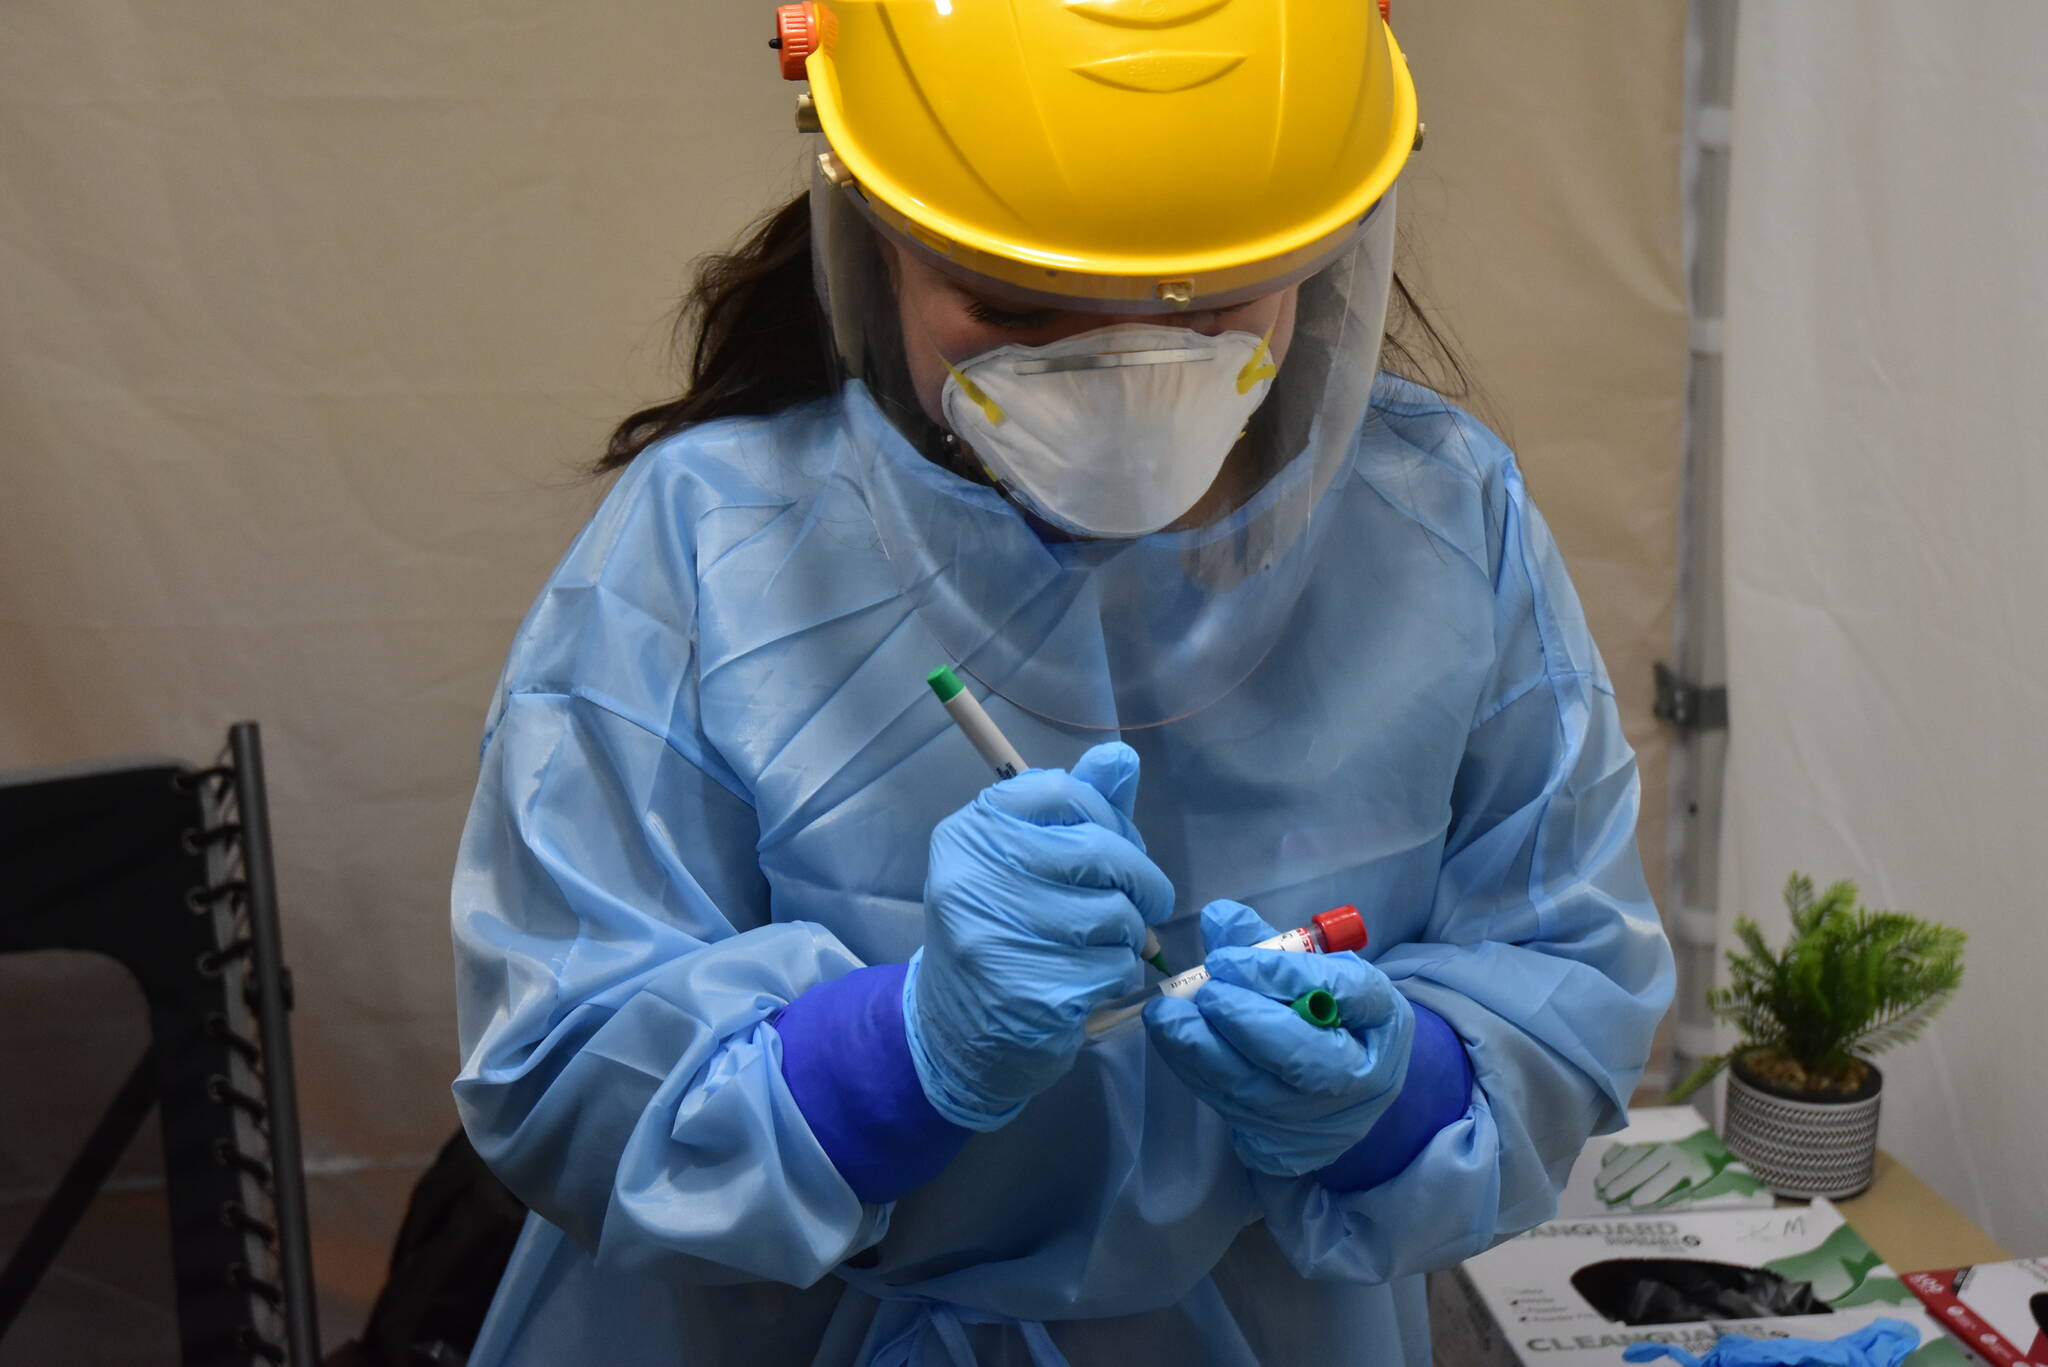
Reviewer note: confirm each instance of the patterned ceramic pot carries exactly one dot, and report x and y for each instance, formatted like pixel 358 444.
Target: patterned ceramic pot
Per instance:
pixel 1800 1146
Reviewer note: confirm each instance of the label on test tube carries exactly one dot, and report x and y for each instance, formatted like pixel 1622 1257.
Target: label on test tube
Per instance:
pixel 1300 940
pixel 1328 932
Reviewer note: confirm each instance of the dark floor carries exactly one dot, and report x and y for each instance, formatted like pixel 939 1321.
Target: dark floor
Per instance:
pixel 71 1027
pixel 107 1302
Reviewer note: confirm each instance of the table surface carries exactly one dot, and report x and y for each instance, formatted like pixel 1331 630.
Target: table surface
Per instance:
pixel 1912 1228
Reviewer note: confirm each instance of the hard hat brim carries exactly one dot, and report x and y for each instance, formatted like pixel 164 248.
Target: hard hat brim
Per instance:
pixel 1015 282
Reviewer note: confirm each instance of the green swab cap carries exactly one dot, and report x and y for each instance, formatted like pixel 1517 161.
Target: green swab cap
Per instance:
pixel 944 682
pixel 1319 1009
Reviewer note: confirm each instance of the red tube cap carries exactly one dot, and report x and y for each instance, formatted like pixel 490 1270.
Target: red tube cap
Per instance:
pixel 1343 928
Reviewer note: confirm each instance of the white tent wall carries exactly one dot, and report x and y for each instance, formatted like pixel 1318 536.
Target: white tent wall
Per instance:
pixel 307 316
pixel 1887 479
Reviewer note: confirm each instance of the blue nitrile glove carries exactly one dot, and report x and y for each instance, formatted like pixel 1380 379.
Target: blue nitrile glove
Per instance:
pixel 1881 1343
pixel 1035 908
pixel 1296 1096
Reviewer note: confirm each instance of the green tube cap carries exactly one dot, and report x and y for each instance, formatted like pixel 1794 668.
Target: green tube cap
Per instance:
pixel 1319 1009
pixel 944 682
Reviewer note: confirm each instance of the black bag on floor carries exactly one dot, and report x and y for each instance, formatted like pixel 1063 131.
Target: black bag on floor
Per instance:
pixel 452 1250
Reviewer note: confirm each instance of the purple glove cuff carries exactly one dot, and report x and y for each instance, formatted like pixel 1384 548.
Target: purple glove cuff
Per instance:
pixel 1437 1091
pixel 848 1065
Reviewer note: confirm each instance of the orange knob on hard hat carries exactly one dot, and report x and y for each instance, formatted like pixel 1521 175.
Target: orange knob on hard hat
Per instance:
pixel 796 37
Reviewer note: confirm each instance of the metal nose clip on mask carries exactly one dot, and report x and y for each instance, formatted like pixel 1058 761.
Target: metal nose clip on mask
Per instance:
pixel 1114 433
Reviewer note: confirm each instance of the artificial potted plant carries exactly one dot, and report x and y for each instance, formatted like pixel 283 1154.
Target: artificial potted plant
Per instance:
pixel 1850 983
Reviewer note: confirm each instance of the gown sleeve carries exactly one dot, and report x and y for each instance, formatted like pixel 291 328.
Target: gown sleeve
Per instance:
pixel 1542 948
pixel 615 969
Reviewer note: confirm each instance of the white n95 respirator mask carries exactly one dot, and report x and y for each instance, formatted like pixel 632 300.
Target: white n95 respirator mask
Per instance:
pixel 1113 433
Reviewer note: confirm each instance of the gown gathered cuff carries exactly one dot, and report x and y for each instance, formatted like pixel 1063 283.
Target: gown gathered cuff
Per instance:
pixel 1436 1093
pixel 847 1062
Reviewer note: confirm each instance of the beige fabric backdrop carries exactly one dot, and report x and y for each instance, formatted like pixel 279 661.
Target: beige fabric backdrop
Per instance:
pixel 308 313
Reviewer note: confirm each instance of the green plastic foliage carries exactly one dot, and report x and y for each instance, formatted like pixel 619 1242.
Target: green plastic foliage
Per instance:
pixel 1850 983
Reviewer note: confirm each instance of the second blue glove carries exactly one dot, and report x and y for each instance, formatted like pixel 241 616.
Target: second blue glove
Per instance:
pixel 1036 903
pixel 1296 1096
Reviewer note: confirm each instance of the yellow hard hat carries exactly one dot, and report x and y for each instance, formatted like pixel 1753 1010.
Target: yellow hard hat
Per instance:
pixel 1113 154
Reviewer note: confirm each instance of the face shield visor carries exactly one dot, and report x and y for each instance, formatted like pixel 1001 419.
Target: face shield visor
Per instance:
pixel 1104 511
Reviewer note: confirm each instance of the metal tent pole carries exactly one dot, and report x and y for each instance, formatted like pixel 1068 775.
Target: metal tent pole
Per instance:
pixel 1692 691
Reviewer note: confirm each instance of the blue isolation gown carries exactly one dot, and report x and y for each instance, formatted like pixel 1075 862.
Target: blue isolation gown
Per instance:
pixel 709 779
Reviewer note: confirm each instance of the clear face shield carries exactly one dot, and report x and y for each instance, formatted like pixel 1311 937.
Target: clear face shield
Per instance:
pixel 1104 507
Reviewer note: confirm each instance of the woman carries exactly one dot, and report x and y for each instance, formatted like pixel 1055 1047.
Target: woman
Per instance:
pixel 782 1030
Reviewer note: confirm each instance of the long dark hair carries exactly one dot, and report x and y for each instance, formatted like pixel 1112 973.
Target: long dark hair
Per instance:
pixel 757 340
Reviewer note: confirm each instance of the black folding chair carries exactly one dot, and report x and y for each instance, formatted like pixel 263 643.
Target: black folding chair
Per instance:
pixel 167 869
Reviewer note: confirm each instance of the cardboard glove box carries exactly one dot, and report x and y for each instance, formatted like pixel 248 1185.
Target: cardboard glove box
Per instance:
pixel 1573 1293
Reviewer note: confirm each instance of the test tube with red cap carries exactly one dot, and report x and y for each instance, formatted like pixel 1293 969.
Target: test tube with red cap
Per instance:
pixel 1329 932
